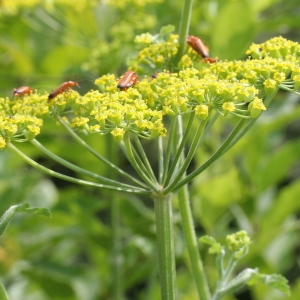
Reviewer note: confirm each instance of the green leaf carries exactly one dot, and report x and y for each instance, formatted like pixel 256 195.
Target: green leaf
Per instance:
pixel 274 280
pixel 25 207
pixel 215 246
pixel 251 277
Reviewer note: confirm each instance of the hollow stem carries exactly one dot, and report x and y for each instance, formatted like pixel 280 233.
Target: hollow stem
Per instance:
pixel 165 244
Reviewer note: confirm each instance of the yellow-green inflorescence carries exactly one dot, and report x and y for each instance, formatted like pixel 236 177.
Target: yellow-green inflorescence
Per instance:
pixel 229 88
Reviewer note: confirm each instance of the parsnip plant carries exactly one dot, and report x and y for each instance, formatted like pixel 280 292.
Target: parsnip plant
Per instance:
pixel 184 94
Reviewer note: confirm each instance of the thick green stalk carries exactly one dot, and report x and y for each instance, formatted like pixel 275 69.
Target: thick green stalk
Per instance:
pixel 184 28
pixel 165 244
pixel 116 253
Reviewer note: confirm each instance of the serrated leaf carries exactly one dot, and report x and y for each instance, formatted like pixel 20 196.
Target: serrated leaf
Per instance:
pixel 251 277
pixel 275 281
pixel 24 207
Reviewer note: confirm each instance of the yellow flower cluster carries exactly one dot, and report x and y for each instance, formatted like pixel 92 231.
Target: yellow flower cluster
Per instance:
pixel 21 118
pixel 115 112
pixel 237 88
pixel 278 47
pixel 156 51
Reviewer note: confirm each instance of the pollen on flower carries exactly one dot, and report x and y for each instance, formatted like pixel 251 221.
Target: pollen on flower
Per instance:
pixel 79 121
pixel 270 85
pixel 118 134
pixel 229 106
pixel 279 76
pixel 256 107
pixel 201 111
pixel 258 104
pixel 34 129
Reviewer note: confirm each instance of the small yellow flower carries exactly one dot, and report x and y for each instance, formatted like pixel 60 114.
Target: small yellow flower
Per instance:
pixel 279 76
pixel 256 107
pixel 270 85
pixel 228 106
pixel 201 111
pixel 118 134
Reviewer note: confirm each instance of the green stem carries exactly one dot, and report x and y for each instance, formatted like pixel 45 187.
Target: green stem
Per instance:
pixel 3 292
pixel 192 244
pixel 189 229
pixel 188 159
pixel 160 159
pixel 165 244
pixel 232 139
pixel 72 179
pixel 167 159
pixel 267 102
pixel 116 253
pixel 144 157
pixel 184 28
pixel 138 168
pixel 96 154
pixel 78 169
pixel 213 158
pixel 179 150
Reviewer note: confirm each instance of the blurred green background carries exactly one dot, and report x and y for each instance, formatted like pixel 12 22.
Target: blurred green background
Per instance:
pixel 255 187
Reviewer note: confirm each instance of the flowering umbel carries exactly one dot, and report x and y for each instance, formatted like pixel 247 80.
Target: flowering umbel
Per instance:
pixel 228 88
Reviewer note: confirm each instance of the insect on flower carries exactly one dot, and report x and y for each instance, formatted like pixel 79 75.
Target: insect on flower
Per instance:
pixel 62 88
pixel 129 79
pixel 23 90
pixel 200 48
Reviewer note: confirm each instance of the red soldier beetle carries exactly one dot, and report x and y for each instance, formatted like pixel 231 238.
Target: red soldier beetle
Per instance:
pixel 200 48
pixel 62 88
pixel 129 79
pixel 23 90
